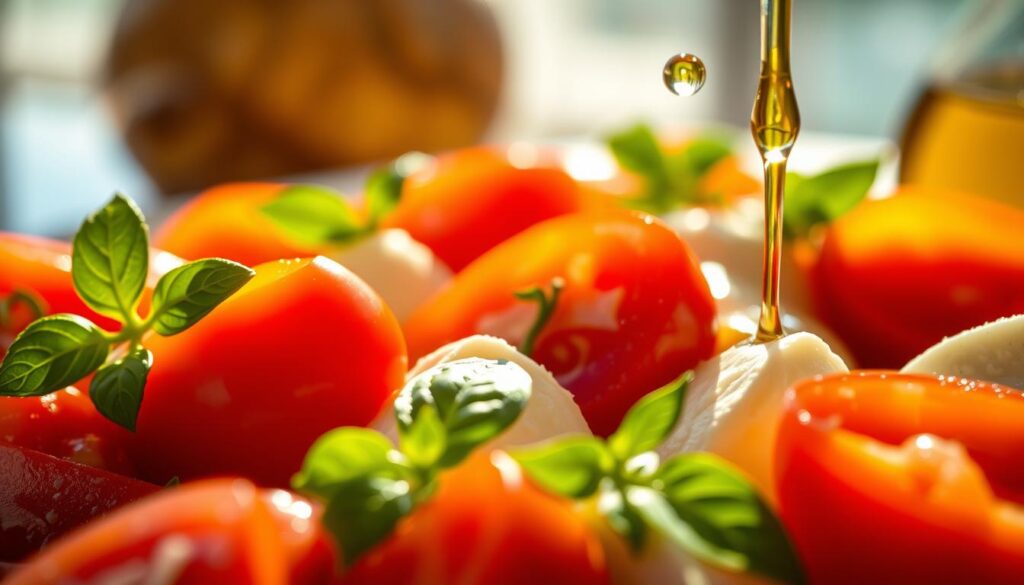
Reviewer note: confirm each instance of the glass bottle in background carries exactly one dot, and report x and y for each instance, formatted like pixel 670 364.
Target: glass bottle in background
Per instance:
pixel 966 132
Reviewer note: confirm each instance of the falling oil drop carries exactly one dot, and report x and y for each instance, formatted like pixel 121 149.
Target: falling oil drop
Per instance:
pixel 684 74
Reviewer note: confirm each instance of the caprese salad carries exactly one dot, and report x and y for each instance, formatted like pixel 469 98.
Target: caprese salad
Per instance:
pixel 491 371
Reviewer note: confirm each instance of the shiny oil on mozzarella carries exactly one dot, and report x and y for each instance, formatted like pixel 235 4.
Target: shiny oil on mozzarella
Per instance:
pixel 551 411
pixel 991 352
pixel 734 403
pixel 403 271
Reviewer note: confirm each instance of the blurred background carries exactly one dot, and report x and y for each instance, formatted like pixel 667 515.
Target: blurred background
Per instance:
pixel 169 96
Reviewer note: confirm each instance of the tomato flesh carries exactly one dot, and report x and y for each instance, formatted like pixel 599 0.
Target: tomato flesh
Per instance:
pixel 474 199
pixel 486 525
pixel 303 348
pixel 210 532
pixel 899 478
pixel 43 497
pixel 634 313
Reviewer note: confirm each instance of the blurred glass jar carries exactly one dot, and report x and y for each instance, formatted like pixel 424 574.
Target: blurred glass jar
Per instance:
pixel 207 92
pixel 967 131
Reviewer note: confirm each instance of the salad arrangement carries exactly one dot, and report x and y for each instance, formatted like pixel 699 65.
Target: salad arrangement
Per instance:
pixel 487 372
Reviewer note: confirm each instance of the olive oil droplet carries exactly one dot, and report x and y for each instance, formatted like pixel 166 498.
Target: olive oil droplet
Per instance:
pixel 684 74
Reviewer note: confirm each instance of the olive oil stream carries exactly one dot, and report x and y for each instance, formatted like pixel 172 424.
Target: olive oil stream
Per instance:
pixel 774 123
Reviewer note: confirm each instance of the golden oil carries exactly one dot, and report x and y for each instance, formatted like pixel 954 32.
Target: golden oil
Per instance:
pixel 774 123
pixel 968 135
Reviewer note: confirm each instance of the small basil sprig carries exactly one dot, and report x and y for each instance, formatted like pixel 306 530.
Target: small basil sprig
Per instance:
pixel 109 267
pixel 546 304
pixel 697 500
pixel 671 179
pixel 443 414
pixel 316 215
pixel 825 197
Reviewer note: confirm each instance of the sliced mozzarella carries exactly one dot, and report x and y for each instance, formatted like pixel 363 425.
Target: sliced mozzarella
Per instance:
pixel 403 271
pixel 991 352
pixel 735 401
pixel 551 411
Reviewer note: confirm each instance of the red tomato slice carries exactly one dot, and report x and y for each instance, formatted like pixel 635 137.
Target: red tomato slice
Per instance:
pixel 635 311
pixel 42 497
pixel 218 532
pixel 486 525
pixel 903 479
pixel 226 222
pixel 303 348
pixel 472 200
pixel 65 424
pixel 897 275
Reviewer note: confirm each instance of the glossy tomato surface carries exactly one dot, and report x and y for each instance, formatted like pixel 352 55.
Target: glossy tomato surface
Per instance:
pixel 215 532
pixel 65 424
pixel 486 525
pixel 903 479
pixel 227 222
pixel 43 267
pixel 43 497
pixel 472 200
pixel 303 348
pixel 635 311
pixel 896 275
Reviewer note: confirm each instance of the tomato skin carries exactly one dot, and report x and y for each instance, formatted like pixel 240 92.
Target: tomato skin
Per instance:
pixel 305 347
pixel 218 531
pixel 635 311
pixel 887 269
pixel 42 497
pixel 860 509
pixel 42 267
pixel 486 526
pixel 474 199
pixel 65 424
pixel 226 222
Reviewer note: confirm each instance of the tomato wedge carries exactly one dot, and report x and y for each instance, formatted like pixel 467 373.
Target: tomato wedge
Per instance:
pixel 472 200
pixel 65 424
pixel 303 348
pixel 218 531
pixel 226 222
pixel 903 479
pixel 43 497
pixel 896 275
pixel 635 311
pixel 486 525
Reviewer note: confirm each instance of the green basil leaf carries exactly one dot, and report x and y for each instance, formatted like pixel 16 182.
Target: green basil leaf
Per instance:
pixel 657 513
pixel 476 399
pixel 733 526
pixel 340 456
pixel 637 149
pixel 572 468
pixel 363 512
pixel 650 420
pixel 314 215
pixel 704 152
pixel 187 293
pixel 383 192
pixel 110 259
pixel 825 197
pixel 622 516
pixel 424 441
pixel 117 388
pixel 50 354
